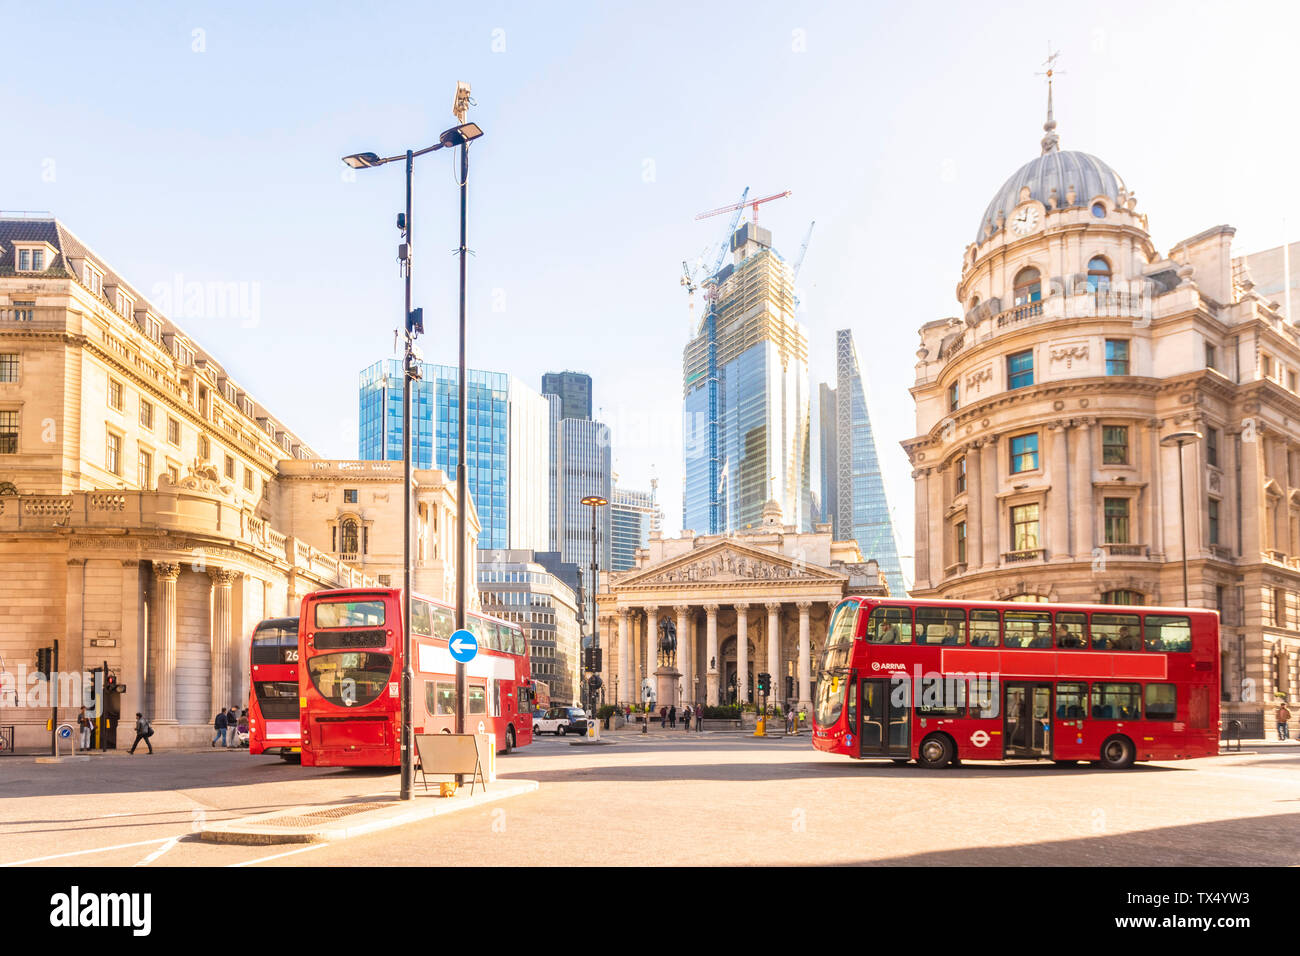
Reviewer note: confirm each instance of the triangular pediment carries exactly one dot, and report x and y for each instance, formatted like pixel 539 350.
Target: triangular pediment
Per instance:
pixel 727 562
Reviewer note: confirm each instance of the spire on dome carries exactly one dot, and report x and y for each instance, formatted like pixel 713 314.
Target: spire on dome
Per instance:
pixel 1051 142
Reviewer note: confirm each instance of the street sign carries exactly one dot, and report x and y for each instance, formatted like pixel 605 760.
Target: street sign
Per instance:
pixel 979 738
pixel 463 646
pixel 65 731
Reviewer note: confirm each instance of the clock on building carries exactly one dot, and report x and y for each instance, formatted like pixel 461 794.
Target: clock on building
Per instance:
pixel 1025 220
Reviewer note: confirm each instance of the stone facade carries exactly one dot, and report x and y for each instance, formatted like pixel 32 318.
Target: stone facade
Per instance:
pixel 742 603
pixel 1039 465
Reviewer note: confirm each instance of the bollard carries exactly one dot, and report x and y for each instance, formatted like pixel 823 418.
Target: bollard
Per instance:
pixel 760 728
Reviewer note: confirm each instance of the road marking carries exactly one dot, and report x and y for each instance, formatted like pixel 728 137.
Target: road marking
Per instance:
pixel 314 846
pixel 98 849
pixel 159 852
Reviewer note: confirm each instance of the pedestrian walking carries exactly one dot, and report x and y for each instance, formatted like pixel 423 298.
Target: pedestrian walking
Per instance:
pixel 143 731
pixel 232 728
pixel 800 718
pixel 663 718
pixel 789 721
pixel 1283 715
pixel 219 724
pixel 686 717
pixel 672 716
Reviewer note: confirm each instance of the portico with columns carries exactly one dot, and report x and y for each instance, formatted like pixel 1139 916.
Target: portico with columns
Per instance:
pixel 754 601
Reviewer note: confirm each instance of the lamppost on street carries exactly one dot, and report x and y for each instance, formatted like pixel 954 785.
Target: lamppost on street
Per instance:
pixel 594 501
pixel 413 322
pixel 1180 439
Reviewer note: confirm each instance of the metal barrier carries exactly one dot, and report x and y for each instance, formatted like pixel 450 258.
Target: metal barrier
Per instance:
pixel 1232 728
pixel 6 738
pixel 1251 724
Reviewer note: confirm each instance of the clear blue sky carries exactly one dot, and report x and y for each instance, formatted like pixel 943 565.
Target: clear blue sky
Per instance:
pixel 609 126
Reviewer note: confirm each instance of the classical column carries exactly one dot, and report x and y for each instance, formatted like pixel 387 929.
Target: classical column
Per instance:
pixel 742 653
pixel 974 504
pixel 1057 539
pixel 685 662
pixel 624 679
pixel 164 642
pixel 651 640
pixel 774 649
pixel 988 504
pixel 805 657
pixel 222 691
pixel 1081 472
pixel 711 650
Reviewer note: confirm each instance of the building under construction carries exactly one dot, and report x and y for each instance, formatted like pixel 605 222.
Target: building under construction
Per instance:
pixel 746 399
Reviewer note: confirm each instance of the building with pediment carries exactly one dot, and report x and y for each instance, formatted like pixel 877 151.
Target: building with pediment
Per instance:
pixel 743 603
pixel 1043 463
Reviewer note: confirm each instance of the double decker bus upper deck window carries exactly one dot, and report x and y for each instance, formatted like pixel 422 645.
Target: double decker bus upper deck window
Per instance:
pixel 1166 632
pixel 940 625
pixel 275 643
pixel 890 625
pixel 844 625
pixel 1115 632
pixel 983 628
pixel 443 621
pixel 1071 629
pixel 349 614
pixel 1027 629
pixel 420 623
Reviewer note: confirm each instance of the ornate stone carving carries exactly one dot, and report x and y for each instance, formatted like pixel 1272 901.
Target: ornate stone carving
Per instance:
pixel 1068 353
pixel 728 564
pixel 979 376
pixel 164 570
pixel 222 577
pixel 203 477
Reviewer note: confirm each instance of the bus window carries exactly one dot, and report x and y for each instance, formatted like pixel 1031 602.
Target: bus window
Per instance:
pixel 1115 632
pixel 1116 701
pixel 1161 701
pixel 1168 633
pixel 420 618
pixel 443 621
pixel 496 698
pixel 983 628
pixel 845 624
pixel 349 614
pixel 1027 629
pixel 443 701
pixel 940 625
pixel 1072 630
pixel 942 697
pixel 890 625
pixel 521 647
pixel 479 629
pixel 984 697
pixel 1071 701
pixel 477 698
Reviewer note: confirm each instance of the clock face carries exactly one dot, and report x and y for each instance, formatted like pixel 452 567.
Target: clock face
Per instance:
pixel 1025 220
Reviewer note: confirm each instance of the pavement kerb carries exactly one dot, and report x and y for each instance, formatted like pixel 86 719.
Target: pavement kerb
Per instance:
pixel 257 831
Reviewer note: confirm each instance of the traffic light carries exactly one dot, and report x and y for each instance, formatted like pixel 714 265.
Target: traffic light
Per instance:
pixel 764 682
pixel 44 661
pixel 593 658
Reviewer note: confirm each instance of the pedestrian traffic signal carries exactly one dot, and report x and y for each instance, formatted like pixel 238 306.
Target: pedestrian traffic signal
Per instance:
pixel 592 658
pixel 764 682
pixel 44 661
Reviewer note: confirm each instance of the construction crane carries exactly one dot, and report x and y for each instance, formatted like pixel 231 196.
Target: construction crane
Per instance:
pixel 798 263
pixel 752 203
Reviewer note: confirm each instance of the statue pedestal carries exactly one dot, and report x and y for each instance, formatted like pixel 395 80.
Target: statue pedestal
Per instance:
pixel 666 679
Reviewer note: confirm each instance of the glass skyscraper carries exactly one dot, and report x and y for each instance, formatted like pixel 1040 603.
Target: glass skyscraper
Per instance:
pixel 633 516
pixel 489 442
pixel 861 508
pixel 746 402
pixel 574 390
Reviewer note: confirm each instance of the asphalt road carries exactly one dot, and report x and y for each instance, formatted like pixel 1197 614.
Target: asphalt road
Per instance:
pixel 677 799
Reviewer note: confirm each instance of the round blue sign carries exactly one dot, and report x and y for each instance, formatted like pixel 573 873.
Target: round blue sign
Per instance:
pixel 463 646
pixel 65 732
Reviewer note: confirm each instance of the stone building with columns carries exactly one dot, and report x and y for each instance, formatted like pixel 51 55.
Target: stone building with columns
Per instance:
pixel 1040 462
pixel 742 603
pixel 151 510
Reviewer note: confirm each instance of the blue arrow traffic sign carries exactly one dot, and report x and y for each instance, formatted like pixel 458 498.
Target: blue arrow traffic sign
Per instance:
pixel 464 646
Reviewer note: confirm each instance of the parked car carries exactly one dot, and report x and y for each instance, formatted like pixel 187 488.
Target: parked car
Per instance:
pixel 560 721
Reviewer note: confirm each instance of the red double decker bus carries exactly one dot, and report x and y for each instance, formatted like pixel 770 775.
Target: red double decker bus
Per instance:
pixel 943 681
pixel 273 718
pixel 350 678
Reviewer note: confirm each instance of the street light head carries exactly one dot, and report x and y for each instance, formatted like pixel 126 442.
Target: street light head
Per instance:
pixel 1180 439
pixel 459 135
pixel 363 160
pixel 595 501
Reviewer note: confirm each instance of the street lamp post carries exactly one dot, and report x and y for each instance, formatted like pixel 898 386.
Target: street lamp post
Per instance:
pixel 413 321
pixel 1180 439
pixel 594 501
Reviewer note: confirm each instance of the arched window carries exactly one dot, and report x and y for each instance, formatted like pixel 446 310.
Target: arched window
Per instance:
pixel 1098 274
pixel 1123 596
pixel 348 541
pixel 1029 287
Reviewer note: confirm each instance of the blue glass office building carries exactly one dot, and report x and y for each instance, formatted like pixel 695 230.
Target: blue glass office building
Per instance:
pixel 861 508
pixel 435 412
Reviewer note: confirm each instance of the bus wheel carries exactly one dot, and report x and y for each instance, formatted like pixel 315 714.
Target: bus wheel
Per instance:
pixel 510 739
pixel 1117 753
pixel 936 751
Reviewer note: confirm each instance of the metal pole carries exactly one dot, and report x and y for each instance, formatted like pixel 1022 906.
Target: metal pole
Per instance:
pixel 462 470
pixel 408 670
pixel 54 701
pixel 1182 520
pixel 595 621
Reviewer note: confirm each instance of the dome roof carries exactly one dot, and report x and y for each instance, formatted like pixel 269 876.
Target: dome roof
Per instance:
pixel 1087 175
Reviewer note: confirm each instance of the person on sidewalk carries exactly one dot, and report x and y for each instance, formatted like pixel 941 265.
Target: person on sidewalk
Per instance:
pixel 672 716
pixel 1283 715
pixel 219 724
pixel 663 718
pixel 84 725
pixel 686 717
pixel 143 731
pixel 699 718
pixel 232 728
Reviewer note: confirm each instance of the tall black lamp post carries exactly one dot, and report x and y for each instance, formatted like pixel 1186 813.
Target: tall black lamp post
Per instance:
pixel 1179 439
pixel 594 501
pixel 413 321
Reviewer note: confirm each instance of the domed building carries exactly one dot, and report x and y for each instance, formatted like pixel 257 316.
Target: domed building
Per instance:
pixel 1043 463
